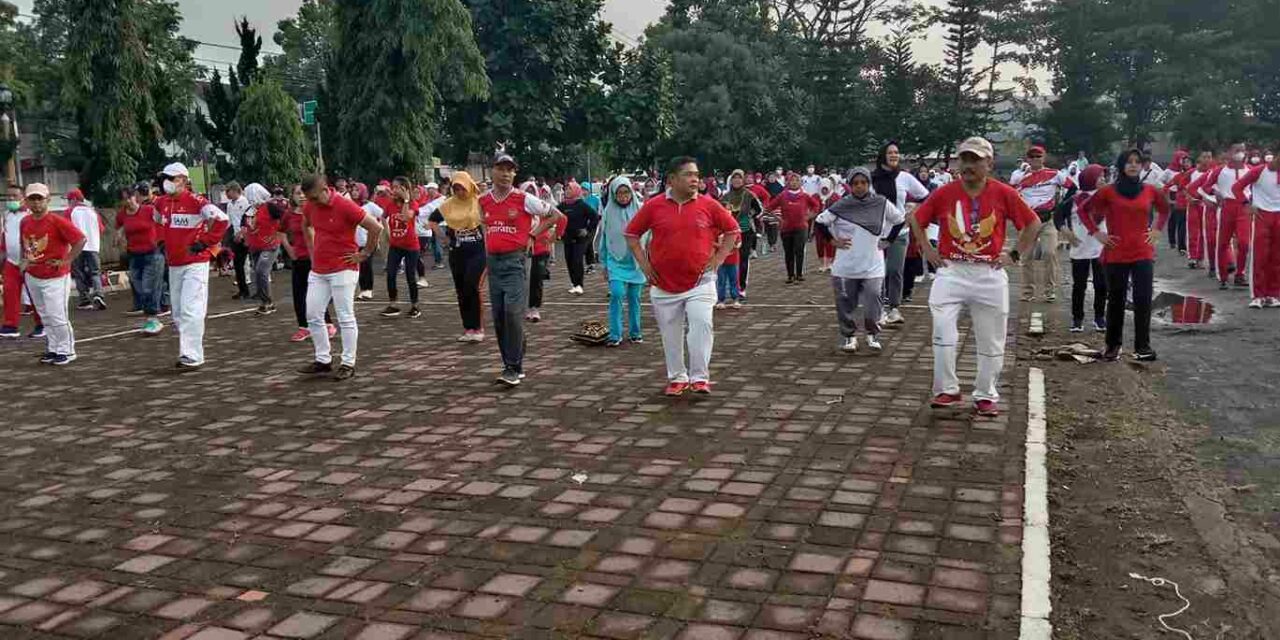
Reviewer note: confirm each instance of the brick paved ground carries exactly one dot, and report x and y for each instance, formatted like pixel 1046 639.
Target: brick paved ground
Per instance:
pixel 812 496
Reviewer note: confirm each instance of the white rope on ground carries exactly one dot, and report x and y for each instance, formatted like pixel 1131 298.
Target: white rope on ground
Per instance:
pixel 1160 582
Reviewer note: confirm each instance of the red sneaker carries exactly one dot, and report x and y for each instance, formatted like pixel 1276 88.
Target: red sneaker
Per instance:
pixel 676 388
pixel 986 409
pixel 300 335
pixel 946 400
pixel 333 331
pixel 702 386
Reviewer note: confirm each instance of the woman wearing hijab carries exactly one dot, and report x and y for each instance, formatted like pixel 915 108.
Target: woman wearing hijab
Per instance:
pixel 591 194
pixel 890 181
pixel 577 234
pixel 543 248
pixel 746 207
pixel 1128 250
pixel 1086 254
pixel 858 223
pixel 625 278
pixel 797 209
pixel 467 259
pixel 822 239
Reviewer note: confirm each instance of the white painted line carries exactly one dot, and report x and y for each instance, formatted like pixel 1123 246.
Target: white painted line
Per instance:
pixel 130 332
pixel 1035 518
pixel 745 307
pixel 1037 324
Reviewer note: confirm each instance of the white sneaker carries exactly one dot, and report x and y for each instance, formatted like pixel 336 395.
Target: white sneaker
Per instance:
pixel 874 344
pixel 477 336
pixel 1273 303
pixel 737 304
pixel 1256 303
pixel 894 317
pixel 719 305
pixel 422 282
pixel 850 344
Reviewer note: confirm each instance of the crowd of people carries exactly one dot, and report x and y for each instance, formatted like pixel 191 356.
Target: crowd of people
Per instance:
pixel 689 237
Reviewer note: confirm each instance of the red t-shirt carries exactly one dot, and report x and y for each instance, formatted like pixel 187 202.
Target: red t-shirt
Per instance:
pixel 335 233
pixel 403 234
pixel 260 234
pixel 796 207
pixel 547 239
pixel 49 238
pixel 185 219
pixel 972 229
pixel 1128 221
pixel 291 225
pixel 684 237
pixel 509 221
pixel 140 229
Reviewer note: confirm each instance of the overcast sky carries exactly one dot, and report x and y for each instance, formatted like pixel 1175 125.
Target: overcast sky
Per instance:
pixel 210 21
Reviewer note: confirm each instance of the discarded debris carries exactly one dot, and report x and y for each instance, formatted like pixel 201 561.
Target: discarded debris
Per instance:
pixel 1074 352
pixel 579 477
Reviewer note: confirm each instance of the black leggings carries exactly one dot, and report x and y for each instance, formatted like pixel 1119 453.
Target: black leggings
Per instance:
pixel 396 255
pixel 793 245
pixel 301 272
pixel 1178 229
pixel 1080 273
pixel 538 274
pixel 744 257
pixel 467 262
pixel 913 268
pixel 1119 275
pixel 575 253
pixel 366 274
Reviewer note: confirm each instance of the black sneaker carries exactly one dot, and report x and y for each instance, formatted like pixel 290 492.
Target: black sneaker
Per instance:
pixel 1111 354
pixel 414 312
pixel 1223 285
pixel 187 364
pixel 1077 326
pixel 790 280
pixel 391 312
pixel 509 378
pixel 799 278
pixel 99 303
pixel 316 368
pixel 48 357
pixel 10 332
pixel 37 332
pixel 265 309
pixel 345 372
pixel 1145 355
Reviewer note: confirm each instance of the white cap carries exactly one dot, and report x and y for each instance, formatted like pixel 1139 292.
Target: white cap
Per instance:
pixel 175 169
pixel 978 146
pixel 432 185
pixel 37 189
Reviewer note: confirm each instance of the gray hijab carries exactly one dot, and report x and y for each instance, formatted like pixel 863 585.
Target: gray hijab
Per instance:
pixel 866 212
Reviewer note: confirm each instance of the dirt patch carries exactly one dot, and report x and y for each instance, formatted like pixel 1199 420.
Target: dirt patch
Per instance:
pixel 1129 495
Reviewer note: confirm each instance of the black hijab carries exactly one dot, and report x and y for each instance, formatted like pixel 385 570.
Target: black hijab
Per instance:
pixel 885 180
pixel 1126 186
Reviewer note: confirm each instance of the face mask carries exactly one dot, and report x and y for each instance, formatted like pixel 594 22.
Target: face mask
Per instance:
pixel 1255 160
pixel 12 206
pixel 1238 157
pixel 170 187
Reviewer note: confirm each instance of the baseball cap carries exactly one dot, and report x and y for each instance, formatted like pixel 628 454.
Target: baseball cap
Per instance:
pixel 978 146
pixel 432 185
pixel 505 158
pixel 75 194
pixel 175 169
pixel 1034 148
pixel 37 189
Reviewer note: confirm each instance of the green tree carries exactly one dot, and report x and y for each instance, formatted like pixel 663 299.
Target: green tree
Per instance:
pixel 642 107
pixel 392 60
pixel 964 24
pixel 269 145
pixel 307 42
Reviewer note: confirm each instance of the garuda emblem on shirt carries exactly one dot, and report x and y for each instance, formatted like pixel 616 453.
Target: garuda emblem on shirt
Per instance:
pixel 34 248
pixel 971 239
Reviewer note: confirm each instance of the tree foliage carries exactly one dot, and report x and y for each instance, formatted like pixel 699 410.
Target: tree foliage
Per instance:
pixel 269 145
pixel 307 41
pixel 392 59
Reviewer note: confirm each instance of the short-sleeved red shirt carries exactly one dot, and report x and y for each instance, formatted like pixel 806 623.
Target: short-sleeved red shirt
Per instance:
pixel 685 236
pixel 261 235
pixel 48 238
pixel 335 233
pixel 796 206
pixel 291 226
pixel 972 229
pixel 509 221
pixel 141 233
pixel 402 234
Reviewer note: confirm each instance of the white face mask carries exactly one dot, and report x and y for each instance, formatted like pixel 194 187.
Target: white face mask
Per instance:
pixel 1255 160
pixel 1238 156
pixel 170 187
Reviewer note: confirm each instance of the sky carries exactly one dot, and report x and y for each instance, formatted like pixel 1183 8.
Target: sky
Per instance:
pixel 211 21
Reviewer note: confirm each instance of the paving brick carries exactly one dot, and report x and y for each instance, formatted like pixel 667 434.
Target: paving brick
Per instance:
pixel 870 627
pixel 303 625
pixel 894 592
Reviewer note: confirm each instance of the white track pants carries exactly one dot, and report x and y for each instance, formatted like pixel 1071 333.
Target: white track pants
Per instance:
pixel 189 302
pixel 50 300
pixel 339 287
pixel 985 291
pixel 671 310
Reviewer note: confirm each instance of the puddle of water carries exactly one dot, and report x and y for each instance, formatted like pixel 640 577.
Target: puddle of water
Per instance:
pixel 1176 308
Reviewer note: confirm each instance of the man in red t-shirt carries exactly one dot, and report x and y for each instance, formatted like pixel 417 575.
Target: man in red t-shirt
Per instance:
pixel 329 223
pixel 972 214
pixel 692 235
pixel 49 245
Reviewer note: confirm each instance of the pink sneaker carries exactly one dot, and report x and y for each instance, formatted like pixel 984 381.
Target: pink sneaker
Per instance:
pixel 300 335
pixel 333 331
pixel 986 409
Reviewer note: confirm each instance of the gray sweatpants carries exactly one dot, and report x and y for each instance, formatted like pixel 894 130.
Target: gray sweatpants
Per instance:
pixel 262 262
pixel 895 260
pixel 509 297
pixel 86 270
pixel 852 293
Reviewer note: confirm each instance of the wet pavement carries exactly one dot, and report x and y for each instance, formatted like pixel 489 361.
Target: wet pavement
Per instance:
pixel 813 495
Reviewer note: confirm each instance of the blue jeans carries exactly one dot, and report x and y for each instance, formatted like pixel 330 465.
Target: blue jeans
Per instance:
pixel 146 273
pixel 727 283
pixel 619 289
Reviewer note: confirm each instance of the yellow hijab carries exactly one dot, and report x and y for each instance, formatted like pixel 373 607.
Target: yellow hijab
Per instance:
pixel 462 213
